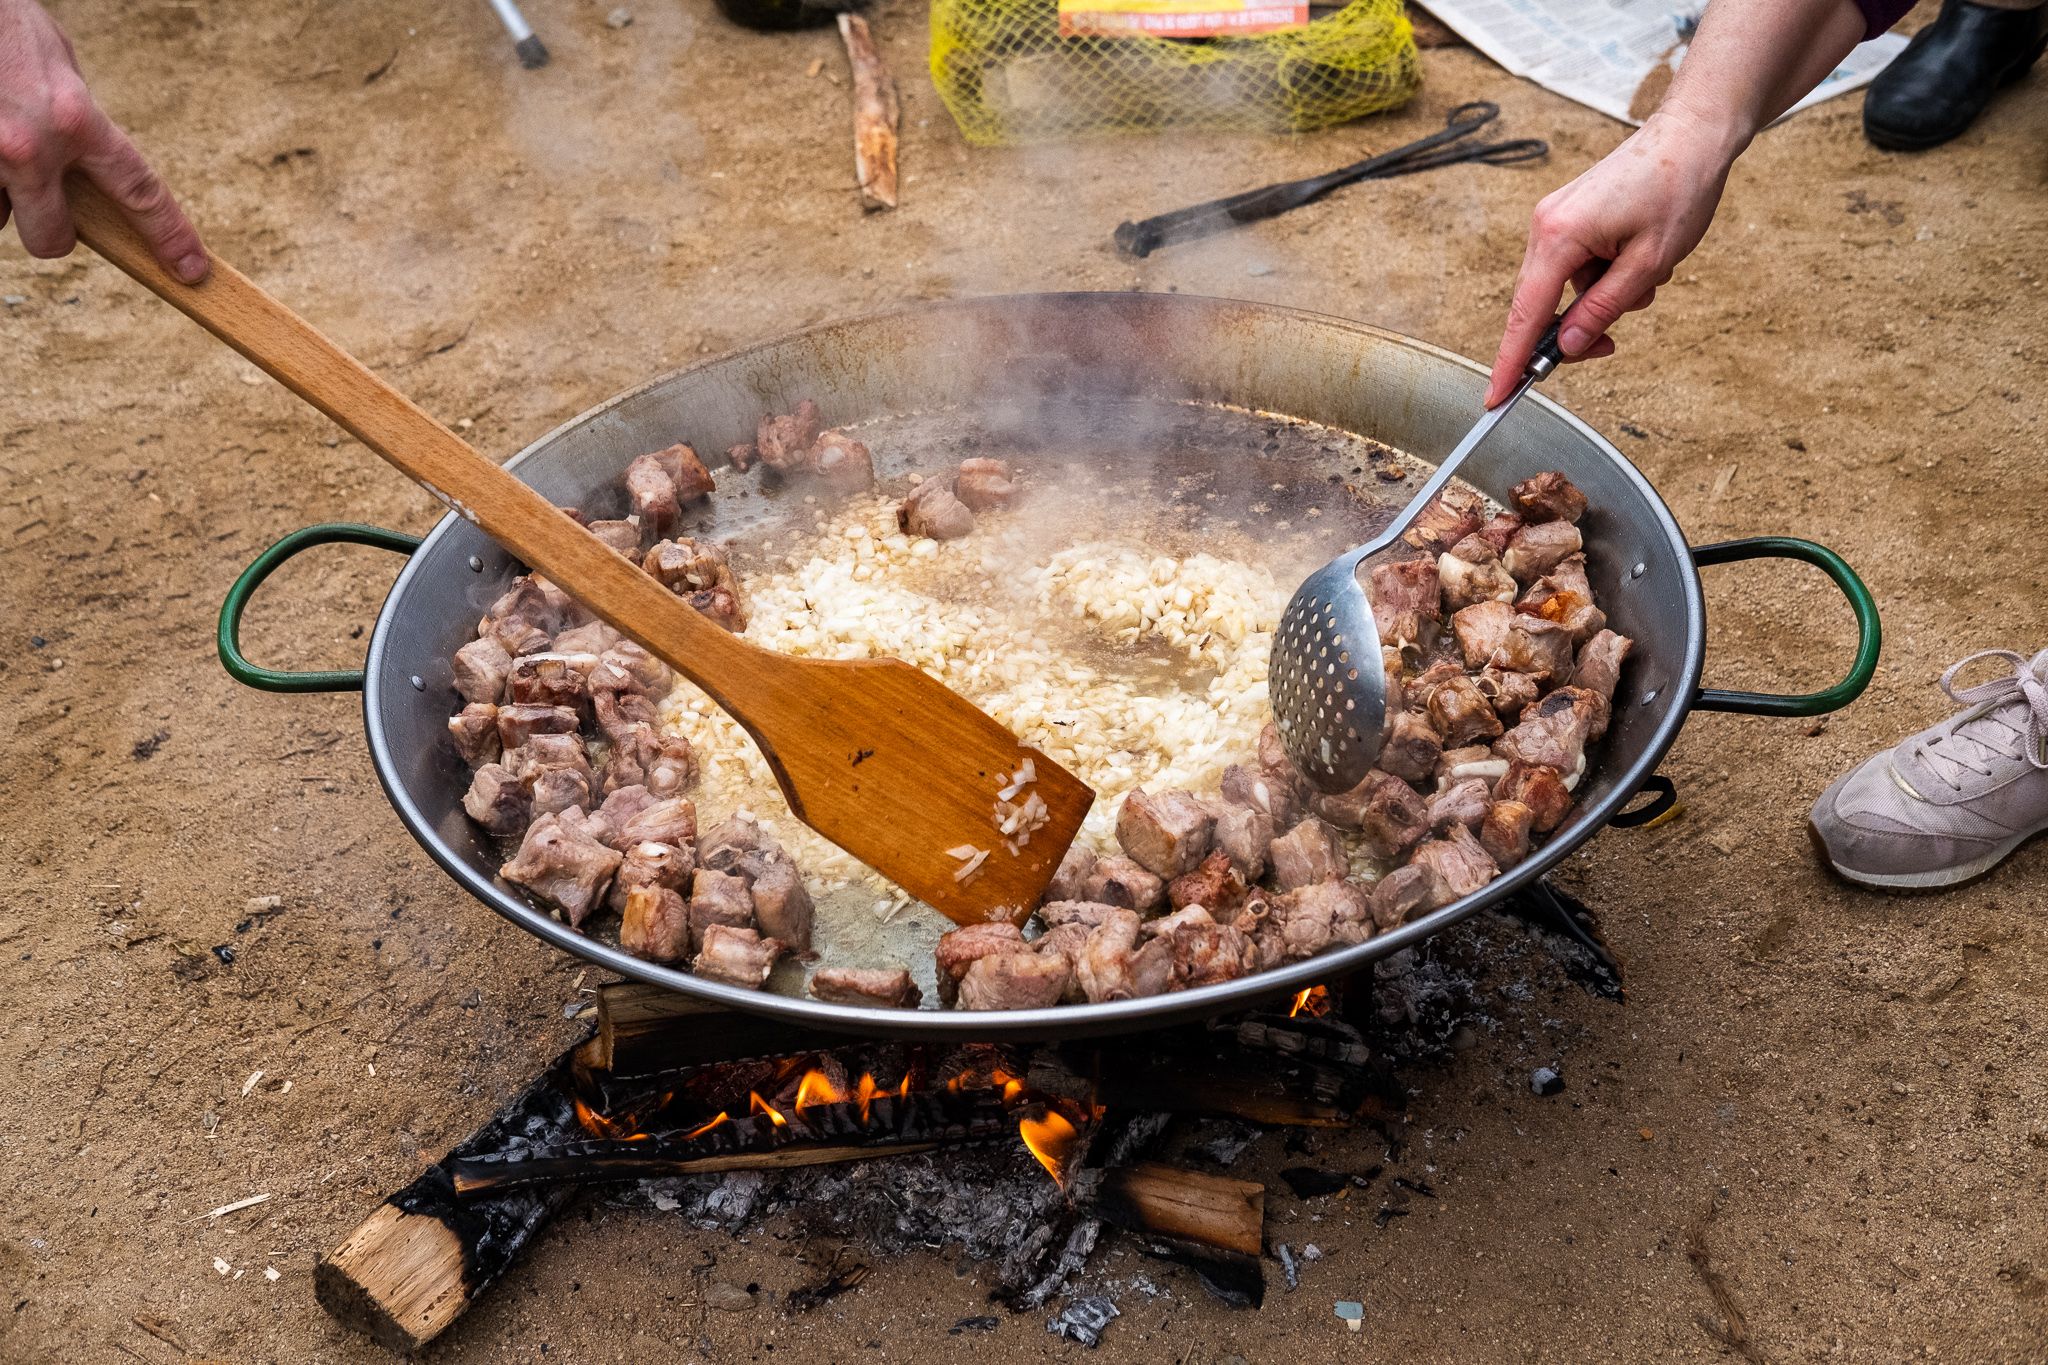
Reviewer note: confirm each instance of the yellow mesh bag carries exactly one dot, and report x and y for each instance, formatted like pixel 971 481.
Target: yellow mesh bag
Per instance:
pixel 1007 76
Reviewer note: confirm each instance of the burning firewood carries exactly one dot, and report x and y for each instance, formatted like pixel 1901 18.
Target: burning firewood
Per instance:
pixel 875 115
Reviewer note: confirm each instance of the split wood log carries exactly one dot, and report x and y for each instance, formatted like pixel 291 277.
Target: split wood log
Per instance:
pixel 1212 1209
pixel 875 115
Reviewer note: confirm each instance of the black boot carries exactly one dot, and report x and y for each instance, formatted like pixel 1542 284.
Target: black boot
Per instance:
pixel 1948 73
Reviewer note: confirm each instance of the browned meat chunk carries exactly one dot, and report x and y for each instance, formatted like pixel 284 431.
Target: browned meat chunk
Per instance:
pixel 701 575
pixel 1274 793
pixel 1407 603
pixel 782 904
pixel 1481 629
pixel 481 668
pixel 641 755
pixel 652 493
pixel 881 987
pixel 718 899
pixel 661 820
pixel 1538 549
pixel 618 712
pixel 742 456
pixel 1088 914
pixel 1563 595
pixel 783 442
pixel 1600 660
pixel 651 864
pixel 1216 885
pixel 519 723
pixel 559 789
pixel 1462 713
pixel 1121 881
pixel 1167 834
pixel 1457 863
pixel 736 844
pixel 1505 833
pixel 1554 732
pixel 983 484
pixel 841 463
pixel 961 948
pixel 1402 894
pixel 930 509
pixel 692 479
pixel 563 866
pixel 1385 810
pixel 551 679
pixel 1510 692
pixel 738 957
pixel 1499 530
pixel 620 805
pixel 497 800
pixel 1539 788
pixel 475 731
pixel 1411 747
pixel 1310 919
pixel 1450 516
pixel 1242 835
pixel 543 751
pixel 1071 875
pixel 1016 980
pixel 1540 648
pixel 655 924
pixel 622 535
pixel 592 637
pixel 1471 572
pixel 1415 694
pixel 1549 496
pixel 1204 954
pixel 1309 853
pixel 523 620
pixel 1465 803
pixel 1102 963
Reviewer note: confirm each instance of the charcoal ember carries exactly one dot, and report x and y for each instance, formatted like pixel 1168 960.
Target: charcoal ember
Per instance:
pixel 1083 1320
pixel 1313 1182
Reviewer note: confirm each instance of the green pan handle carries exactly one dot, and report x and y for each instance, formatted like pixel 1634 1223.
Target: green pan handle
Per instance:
pixel 1868 634
pixel 267 563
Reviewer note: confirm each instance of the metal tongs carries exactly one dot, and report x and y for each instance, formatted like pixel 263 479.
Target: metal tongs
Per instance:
pixel 1250 206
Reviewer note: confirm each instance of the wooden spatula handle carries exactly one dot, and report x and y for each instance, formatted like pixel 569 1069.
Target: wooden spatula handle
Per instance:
pixel 294 353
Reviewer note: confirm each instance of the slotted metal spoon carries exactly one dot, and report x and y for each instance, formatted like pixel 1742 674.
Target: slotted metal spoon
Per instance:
pixel 1327 685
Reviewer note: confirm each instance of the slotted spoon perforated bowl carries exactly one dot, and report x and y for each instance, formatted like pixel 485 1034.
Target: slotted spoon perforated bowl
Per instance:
pixel 1329 691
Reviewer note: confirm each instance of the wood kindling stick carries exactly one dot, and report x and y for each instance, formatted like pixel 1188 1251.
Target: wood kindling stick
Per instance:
pixel 875 115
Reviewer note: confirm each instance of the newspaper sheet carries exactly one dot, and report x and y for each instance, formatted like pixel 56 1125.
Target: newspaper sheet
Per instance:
pixel 1616 56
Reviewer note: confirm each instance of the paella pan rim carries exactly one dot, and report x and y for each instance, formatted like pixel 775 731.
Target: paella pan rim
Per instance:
pixel 387 686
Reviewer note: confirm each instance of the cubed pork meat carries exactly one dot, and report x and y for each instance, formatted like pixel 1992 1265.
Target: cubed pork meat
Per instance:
pixel 1541 789
pixel 1019 979
pixel 1122 881
pixel 1540 648
pixel 1563 595
pixel 1386 811
pixel 1204 954
pixel 984 484
pixel 627 667
pixel 1480 629
pixel 481 669
pixel 474 730
pixel 1509 692
pixel 1457 863
pixel 1166 834
pixel 1600 660
pixel 735 956
pixel 652 494
pixel 563 867
pixel 1102 963
pixel 930 509
pixel 1407 603
pixel 618 712
pixel 743 456
pixel 559 789
pixel 1309 853
pixel 1471 572
pixel 841 463
pixel 1499 530
pixel 650 864
pixel 1505 832
pixel 1215 883
pixel 619 806
pixel 1057 914
pixel 641 755
pixel 1310 919
pixel 1242 835
pixel 1403 894
pixel 736 844
pixel 1071 875
pixel 1450 516
pixel 1554 732
pixel 1415 694
pixel 702 576
pixel 1462 714
pixel 1273 792
pixel 546 753
pixel 1538 549
pixel 592 637
pixel 692 478
pixel 654 923
pixel 783 442
pixel 718 899
pixel 659 819
pixel 1462 803
pixel 622 535
pixel 1549 496
pixel 782 904
pixel 878 987
pixel 1411 746
pixel 498 801
pixel 961 948
pixel 524 619
pixel 551 678
pixel 521 721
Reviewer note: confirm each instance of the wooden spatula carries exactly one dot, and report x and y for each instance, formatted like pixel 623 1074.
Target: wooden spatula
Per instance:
pixel 883 760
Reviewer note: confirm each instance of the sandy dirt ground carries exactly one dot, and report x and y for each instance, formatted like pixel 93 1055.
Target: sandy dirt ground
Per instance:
pixel 1817 1129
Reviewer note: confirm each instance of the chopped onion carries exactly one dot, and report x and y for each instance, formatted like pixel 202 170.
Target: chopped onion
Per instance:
pixel 964 851
pixel 971 866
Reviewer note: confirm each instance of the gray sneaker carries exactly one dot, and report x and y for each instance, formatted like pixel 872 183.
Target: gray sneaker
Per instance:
pixel 1951 802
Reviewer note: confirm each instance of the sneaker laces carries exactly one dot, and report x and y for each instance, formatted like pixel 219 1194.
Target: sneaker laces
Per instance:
pixel 2001 714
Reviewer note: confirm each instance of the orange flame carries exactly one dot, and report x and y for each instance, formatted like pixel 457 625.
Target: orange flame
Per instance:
pixel 757 1105
pixel 601 1125
pixel 703 1128
pixel 816 1088
pixel 1050 1139
pixel 1315 1002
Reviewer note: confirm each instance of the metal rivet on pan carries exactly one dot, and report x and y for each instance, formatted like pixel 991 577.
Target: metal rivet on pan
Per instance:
pixel 1638 571
pixel 419 684
pixel 1650 696
pixel 476 564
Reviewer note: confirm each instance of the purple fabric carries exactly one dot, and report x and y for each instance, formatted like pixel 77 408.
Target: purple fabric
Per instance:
pixel 1879 15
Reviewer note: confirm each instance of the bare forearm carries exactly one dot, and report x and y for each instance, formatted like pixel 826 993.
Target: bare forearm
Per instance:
pixel 1751 60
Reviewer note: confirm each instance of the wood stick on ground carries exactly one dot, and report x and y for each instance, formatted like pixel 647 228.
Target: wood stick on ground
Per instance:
pixel 1212 1209
pixel 875 115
